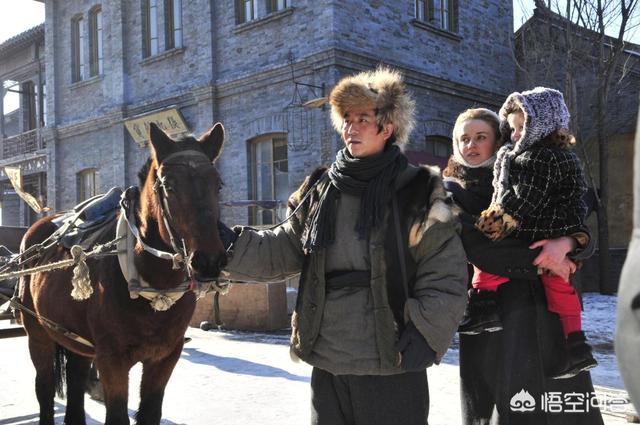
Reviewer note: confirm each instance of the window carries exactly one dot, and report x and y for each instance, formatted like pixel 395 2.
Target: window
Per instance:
pixel 77 52
pixel 269 178
pixel 173 23
pixel 150 27
pixel 449 15
pixel 95 41
pixel 246 10
pixel 276 5
pixel 87 184
pixel 424 10
pixel 439 146
pixel 441 13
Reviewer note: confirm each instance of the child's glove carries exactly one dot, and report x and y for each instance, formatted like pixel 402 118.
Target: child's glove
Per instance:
pixel 415 353
pixel 495 223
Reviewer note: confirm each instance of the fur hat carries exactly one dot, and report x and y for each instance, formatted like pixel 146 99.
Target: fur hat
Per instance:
pixel 381 90
pixel 544 111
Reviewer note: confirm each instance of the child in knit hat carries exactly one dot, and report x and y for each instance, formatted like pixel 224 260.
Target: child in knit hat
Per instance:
pixel 538 188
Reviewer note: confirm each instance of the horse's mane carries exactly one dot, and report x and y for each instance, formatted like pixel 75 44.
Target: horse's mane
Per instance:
pixel 144 171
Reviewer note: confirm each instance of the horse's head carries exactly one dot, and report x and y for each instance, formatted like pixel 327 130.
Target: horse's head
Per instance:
pixel 180 195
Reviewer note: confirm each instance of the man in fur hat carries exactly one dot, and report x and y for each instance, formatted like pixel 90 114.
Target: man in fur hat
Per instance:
pixel 383 280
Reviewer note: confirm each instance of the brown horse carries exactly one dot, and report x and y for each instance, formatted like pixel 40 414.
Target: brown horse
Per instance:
pixel 176 211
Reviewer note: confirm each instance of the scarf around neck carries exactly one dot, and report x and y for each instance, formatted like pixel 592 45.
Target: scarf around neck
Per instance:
pixel 370 178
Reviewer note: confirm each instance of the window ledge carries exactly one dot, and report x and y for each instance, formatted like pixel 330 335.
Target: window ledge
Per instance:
pixel 161 56
pixel 89 81
pixel 274 16
pixel 434 29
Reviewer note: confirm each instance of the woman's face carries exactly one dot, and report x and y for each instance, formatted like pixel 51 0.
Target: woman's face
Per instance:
pixel 477 141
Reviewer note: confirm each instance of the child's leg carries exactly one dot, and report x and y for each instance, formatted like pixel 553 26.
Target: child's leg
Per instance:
pixel 563 300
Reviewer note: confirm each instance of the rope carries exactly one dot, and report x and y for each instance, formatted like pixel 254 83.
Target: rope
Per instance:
pixel 99 250
pixel 81 280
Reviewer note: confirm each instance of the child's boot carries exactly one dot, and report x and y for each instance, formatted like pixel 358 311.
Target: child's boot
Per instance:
pixel 579 357
pixel 481 314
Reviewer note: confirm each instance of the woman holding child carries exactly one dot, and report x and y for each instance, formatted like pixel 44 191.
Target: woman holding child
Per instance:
pixel 522 349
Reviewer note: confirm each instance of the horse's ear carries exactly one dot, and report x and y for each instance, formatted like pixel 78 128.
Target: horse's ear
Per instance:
pixel 212 141
pixel 161 144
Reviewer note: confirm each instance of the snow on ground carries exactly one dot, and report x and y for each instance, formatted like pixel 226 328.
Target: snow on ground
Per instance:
pixel 599 322
pixel 241 378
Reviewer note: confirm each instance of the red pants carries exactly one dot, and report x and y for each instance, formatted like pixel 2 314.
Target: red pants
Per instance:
pixel 561 297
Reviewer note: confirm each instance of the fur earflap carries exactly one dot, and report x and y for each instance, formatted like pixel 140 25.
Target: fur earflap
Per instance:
pixel 382 90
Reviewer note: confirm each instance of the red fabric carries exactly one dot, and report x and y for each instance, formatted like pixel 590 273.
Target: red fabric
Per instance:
pixel 562 299
pixel 486 281
pixel 571 324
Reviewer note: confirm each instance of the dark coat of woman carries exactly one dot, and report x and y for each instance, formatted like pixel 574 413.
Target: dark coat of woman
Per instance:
pixel 509 370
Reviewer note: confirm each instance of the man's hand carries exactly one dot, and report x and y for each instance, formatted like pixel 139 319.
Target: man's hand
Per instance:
pixel 415 353
pixel 227 236
pixel 553 256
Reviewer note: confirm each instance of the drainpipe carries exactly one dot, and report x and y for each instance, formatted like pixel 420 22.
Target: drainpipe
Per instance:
pixel 40 117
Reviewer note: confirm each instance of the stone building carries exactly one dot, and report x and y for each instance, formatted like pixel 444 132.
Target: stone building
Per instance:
pixel 552 52
pixel 254 65
pixel 22 79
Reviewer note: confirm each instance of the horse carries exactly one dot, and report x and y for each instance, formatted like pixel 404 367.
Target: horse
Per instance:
pixel 176 213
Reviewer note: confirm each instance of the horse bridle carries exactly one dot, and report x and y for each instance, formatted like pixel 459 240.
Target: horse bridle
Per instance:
pixel 162 189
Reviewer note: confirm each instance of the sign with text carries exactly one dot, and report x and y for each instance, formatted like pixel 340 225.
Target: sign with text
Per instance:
pixel 170 121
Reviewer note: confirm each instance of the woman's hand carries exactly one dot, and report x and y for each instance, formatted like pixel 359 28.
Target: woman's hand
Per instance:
pixel 553 256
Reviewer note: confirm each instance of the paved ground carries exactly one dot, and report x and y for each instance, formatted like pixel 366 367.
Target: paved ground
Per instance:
pixel 223 377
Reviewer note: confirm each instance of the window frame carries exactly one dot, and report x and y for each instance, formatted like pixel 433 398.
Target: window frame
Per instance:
pixel 241 11
pixel 173 24
pixel 77 52
pixel 80 183
pixel 254 217
pixel 96 46
pixel 150 37
pixel 274 6
pixel 446 19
